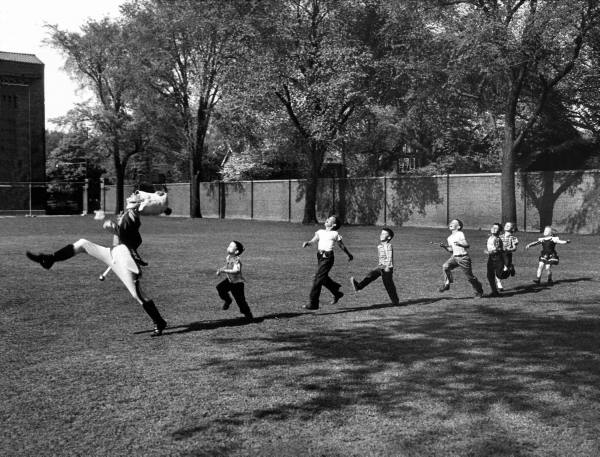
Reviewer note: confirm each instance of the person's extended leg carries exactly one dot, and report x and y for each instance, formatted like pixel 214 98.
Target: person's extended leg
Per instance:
pixel 368 279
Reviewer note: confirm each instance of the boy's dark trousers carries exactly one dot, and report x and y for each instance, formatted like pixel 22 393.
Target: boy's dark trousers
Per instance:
pixel 388 282
pixel 507 257
pixel 325 261
pixel 237 290
pixel 495 268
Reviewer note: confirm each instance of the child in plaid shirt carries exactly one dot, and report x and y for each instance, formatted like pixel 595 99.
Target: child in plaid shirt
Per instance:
pixel 385 268
pixel 509 243
pixel 234 282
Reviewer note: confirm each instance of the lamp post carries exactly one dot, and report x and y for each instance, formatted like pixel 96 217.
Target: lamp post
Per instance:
pixel 83 162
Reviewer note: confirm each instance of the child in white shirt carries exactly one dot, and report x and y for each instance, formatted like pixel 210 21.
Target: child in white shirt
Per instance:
pixel 457 244
pixel 326 239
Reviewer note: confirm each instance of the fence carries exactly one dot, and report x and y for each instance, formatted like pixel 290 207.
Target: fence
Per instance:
pixel 55 197
pixel 569 200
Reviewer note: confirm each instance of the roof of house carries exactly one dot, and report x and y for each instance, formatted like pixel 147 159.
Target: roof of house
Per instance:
pixel 20 57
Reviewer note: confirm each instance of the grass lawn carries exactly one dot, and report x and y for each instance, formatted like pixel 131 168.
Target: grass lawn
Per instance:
pixel 442 375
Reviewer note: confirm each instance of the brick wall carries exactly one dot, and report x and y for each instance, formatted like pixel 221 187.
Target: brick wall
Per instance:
pixel 569 200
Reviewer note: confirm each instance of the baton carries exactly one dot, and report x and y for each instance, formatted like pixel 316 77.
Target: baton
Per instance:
pixel 103 275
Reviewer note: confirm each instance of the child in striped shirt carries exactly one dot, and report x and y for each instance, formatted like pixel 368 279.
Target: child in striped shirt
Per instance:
pixel 385 267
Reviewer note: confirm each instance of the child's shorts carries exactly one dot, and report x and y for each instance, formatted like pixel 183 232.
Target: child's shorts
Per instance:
pixel 549 259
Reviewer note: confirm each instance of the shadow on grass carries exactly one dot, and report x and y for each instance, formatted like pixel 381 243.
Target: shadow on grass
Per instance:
pixel 211 325
pixel 419 301
pixel 535 288
pixel 452 364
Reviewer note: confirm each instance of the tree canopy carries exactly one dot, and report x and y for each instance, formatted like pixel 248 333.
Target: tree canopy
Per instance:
pixel 258 89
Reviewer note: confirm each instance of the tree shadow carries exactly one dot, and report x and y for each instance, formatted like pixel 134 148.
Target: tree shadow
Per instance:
pixel 361 201
pixel 412 194
pixel 465 363
pixel 544 188
pixel 587 214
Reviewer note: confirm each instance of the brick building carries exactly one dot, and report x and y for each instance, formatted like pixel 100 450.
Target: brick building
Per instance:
pixel 22 134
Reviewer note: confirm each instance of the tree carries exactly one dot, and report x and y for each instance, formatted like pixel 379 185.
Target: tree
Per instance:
pixel 189 51
pixel 313 67
pixel 509 56
pixel 100 58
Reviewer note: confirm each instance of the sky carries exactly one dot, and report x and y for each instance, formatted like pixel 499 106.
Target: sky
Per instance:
pixel 22 30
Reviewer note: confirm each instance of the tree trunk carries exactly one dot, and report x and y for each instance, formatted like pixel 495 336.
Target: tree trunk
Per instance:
pixel 310 199
pixel 316 154
pixel 195 176
pixel 196 160
pixel 120 175
pixel 509 202
pixel 120 172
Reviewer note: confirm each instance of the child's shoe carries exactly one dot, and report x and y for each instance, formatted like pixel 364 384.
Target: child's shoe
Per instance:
pixel 226 304
pixel 444 287
pixel 536 281
pixel 336 298
pixel 550 282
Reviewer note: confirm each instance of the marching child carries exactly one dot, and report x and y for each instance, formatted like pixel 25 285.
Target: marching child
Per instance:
pixel 385 268
pixel 509 244
pixel 326 239
pixel 234 282
pixel 495 264
pixel 548 256
pixel 457 244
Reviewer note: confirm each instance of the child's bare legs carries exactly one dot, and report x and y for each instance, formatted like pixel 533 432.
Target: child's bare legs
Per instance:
pixel 538 274
pixel 549 273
